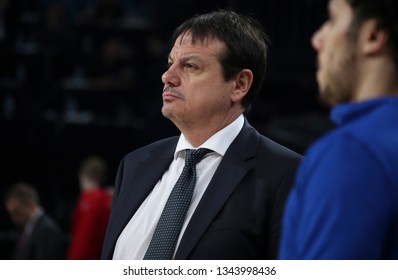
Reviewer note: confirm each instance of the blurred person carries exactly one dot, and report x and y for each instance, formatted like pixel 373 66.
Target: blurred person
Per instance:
pixel 344 204
pixel 215 71
pixel 91 213
pixel 42 238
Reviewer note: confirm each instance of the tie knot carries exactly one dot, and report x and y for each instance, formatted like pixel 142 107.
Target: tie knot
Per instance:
pixel 194 156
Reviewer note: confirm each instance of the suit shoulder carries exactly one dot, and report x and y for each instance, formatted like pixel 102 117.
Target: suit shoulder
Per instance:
pixel 277 150
pixel 47 229
pixel 160 145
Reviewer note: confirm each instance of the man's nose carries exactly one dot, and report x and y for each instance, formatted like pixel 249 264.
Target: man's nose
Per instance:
pixel 317 39
pixel 170 77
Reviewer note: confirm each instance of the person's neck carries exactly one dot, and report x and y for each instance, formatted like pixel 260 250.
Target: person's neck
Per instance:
pixel 377 78
pixel 200 133
pixel 89 186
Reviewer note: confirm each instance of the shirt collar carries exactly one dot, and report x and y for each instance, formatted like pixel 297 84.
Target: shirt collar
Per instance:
pixel 218 143
pixel 347 112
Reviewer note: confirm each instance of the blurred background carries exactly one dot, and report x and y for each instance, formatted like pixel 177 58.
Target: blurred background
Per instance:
pixel 83 77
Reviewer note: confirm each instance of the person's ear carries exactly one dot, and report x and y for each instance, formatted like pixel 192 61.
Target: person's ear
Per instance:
pixel 243 82
pixel 373 39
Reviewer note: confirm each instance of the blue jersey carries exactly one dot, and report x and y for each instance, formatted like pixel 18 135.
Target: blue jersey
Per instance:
pixel 344 204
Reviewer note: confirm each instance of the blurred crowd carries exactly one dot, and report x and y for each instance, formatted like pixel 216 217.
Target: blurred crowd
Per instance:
pixel 39 236
pixel 100 61
pixel 60 56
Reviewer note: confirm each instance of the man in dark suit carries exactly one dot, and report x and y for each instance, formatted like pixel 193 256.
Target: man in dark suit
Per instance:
pixel 41 238
pixel 215 71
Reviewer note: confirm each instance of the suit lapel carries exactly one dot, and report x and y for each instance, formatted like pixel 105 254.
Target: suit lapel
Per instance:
pixel 236 163
pixel 147 174
pixel 140 182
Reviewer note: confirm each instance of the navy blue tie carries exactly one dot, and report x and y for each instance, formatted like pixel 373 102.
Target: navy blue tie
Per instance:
pixel 168 229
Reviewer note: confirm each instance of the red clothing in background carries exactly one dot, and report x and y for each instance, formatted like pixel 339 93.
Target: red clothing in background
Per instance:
pixel 89 222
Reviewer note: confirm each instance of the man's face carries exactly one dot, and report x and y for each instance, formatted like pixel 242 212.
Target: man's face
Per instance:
pixel 195 93
pixel 19 213
pixel 337 61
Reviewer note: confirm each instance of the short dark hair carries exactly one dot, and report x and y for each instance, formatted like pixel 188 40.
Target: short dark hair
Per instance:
pixel 245 40
pixel 23 192
pixel 385 12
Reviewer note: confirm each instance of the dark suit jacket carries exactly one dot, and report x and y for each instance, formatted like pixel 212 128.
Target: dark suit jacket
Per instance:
pixel 46 242
pixel 238 216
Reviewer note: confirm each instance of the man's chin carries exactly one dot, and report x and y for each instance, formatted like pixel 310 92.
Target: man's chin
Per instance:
pixel 325 96
pixel 166 113
pixel 329 98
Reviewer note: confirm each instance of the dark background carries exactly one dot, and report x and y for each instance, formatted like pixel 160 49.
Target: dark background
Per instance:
pixel 82 77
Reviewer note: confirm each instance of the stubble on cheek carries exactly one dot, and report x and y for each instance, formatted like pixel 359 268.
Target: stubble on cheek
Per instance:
pixel 337 83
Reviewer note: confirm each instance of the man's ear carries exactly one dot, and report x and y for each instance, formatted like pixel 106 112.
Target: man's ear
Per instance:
pixel 243 82
pixel 373 39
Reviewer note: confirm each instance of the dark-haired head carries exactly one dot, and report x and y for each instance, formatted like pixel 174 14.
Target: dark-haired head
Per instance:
pixel 245 40
pixel 385 12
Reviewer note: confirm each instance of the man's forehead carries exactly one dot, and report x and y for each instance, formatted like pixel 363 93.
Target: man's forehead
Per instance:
pixel 186 49
pixel 189 38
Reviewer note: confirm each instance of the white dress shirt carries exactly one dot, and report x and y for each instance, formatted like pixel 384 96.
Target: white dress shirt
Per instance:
pixel 136 236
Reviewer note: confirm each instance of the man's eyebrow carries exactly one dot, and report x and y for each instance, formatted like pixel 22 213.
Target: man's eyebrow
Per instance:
pixel 187 57
pixel 191 56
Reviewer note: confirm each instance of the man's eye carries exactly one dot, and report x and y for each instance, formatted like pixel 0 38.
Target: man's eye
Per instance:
pixel 168 65
pixel 190 66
